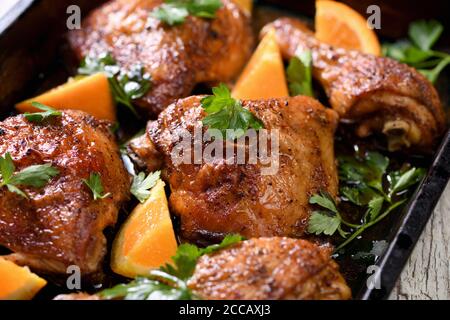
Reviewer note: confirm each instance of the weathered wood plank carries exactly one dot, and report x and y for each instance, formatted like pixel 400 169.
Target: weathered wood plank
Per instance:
pixel 427 273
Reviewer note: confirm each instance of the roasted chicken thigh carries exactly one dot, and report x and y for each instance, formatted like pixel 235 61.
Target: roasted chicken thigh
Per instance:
pixel 213 198
pixel 177 57
pixel 380 94
pixel 270 269
pixel 61 224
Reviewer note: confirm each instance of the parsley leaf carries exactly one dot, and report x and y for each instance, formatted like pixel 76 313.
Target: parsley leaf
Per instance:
pixel 362 183
pixel 94 183
pixel 417 51
pixel 424 34
pixel 34 175
pixel 374 207
pixel 41 116
pixel 174 12
pixel 170 281
pixel 147 289
pixel 322 222
pixel 299 74
pixel 399 181
pixel 324 200
pixel 141 185
pixel 125 86
pixel 433 74
pixel 365 172
pixel 225 113
pixel 187 255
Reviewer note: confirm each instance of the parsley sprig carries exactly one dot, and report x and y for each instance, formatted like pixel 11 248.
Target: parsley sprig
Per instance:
pixel 35 175
pixel 417 50
pixel 94 182
pixel 227 114
pixel 299 74
pixel 362 184
pixel 48 112
pixel 125 86
pixel 170 281
pixel 175 12
pixel 142 185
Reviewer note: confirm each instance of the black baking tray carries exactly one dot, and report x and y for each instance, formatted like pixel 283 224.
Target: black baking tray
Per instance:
pixel 30 50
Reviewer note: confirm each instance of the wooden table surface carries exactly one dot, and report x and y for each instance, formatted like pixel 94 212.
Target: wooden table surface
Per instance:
pixel 427 273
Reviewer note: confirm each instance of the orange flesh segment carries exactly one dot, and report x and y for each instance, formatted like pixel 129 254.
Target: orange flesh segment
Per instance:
pixel 264 76
pixel 339 25
pixel 90 94
pixel 147 239
pixel 18 283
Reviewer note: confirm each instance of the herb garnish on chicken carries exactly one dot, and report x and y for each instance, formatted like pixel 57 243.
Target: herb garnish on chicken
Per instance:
pixel 224 113
pixel 48 112
pixel 35 175
pixel 94 182
pixel 175 12
pixel 299 73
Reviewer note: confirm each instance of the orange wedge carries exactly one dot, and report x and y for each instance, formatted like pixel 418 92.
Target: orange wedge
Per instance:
pixel 339 25
pixel 263 76
pixel 18 283
pixel 90 94
pixel 146 240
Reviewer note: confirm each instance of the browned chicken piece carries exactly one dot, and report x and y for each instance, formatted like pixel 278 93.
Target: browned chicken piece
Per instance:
pixel 61 224
pixel 380 94
pixel 177 57
pixel 270 269
pixel 213 198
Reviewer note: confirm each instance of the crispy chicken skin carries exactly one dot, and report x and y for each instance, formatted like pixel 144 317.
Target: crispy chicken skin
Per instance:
pixel 60 224
pixel 270 269
pixel 177 57
pixel 380 94
pixel 213 198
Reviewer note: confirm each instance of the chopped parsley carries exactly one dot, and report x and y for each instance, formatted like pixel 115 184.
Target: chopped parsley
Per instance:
pixel 225 113
pixel 34 176
pixel 48 112
pixel 125 86
pixel 417 50
pixel 299 74
pixel 175 12
pixel 362 185
pixel 94 182
pixel 142 185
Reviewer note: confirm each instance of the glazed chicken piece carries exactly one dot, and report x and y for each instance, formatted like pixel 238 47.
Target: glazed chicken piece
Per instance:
pixel 61 224
pixel 266 198
pixel 264 269
pixel 177 57
pixel 270 269
pixel 378 93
